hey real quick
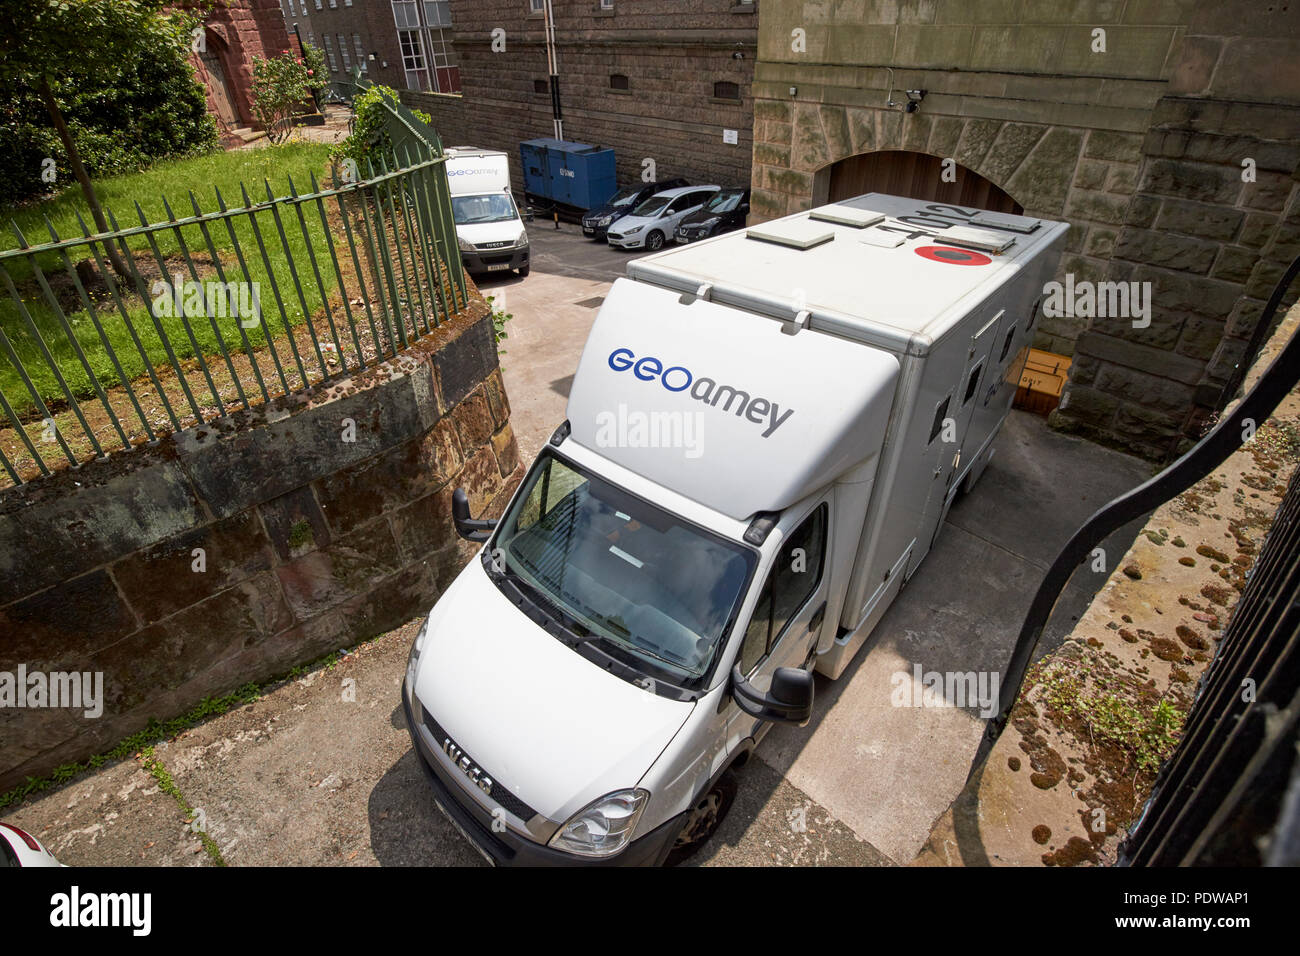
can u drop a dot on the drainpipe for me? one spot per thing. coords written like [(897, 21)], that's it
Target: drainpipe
[(553, 66)]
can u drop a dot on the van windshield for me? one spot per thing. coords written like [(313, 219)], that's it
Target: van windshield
[(494, 207), (661, 591)]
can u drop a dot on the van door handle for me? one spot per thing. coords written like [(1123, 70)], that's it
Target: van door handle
[(817, 617)]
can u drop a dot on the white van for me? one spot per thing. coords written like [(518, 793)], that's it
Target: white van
[(489, 231), (764, 434)]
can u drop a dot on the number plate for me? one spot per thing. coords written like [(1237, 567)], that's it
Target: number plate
[(461, 830), (588, 231), (497, 266)]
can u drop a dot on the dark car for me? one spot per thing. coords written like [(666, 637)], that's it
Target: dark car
[(724, 212), (596, 222)]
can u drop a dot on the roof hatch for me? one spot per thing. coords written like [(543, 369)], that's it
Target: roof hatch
[(797, 233)]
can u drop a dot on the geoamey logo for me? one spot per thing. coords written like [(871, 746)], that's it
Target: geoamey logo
[(678, 378)]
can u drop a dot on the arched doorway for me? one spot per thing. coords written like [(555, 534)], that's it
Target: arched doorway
[(218, 84), (915, 175)]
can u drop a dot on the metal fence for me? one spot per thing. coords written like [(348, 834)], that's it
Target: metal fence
[(1230, 795), (245, 304)]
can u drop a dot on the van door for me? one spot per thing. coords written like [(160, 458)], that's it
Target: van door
[(789, 616), (967, 397)]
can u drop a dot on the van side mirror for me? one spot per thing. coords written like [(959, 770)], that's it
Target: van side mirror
[(788, 701), (467, 527)]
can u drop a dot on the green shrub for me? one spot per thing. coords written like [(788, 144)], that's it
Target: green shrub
[(280, 85), (369, 139), (151, 107)]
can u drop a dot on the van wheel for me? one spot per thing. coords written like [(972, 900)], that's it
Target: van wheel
[(523, 270), (704, 819), (655, 240)]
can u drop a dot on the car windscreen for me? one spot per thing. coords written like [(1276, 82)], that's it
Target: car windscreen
[(493, 207), (725, 202), (652, 206), (659, 589), (625, 196)]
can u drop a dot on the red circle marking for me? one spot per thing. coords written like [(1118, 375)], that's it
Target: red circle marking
[(953, 256)]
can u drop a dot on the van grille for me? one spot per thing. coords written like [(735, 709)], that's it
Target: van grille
[(500, 791)]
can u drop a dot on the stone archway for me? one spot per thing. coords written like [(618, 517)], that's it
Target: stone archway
[(795, 143), (917, 175)]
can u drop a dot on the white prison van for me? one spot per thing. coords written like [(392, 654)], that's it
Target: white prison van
[(489, 230), (765, 432)]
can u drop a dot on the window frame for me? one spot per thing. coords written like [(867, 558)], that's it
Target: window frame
[(822, 509)]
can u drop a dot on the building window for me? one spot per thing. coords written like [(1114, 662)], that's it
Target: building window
[(607, 4), (618, 81), (423, 32), (318, 4), (535, 6), (347, 57), (361, 53), (541, 86), (334, 4), (726, 90), (329, 54), (302, 5)]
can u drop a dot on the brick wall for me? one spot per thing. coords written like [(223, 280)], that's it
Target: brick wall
[(309, 542), (236, 32), (672, 54)]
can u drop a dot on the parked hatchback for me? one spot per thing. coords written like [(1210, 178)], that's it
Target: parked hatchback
[(655, 221), (596, 222), (724, 212)]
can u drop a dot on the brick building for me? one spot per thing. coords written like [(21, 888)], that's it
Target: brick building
[(233, 33), (1167, 132), (404, 44), (662, 80)]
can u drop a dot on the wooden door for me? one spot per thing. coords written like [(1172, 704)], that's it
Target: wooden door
[(917, 176)]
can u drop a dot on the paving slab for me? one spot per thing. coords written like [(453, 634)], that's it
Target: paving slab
[(117, 816)]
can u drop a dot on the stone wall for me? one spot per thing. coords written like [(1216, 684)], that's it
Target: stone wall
[(233, 551), (1210, 235), (671, 53), (1139, 148)]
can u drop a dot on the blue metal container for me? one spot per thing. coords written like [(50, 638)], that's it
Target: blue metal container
[(577, 175)]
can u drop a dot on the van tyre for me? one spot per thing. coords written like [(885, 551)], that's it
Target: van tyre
[(655, 240), (523, 270), (704, 818)]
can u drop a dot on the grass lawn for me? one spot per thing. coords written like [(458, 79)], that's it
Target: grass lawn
[(174, 180)]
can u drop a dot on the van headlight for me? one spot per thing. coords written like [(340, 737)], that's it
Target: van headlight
[(522, 241), (413, 661), (603, 827), (463, 245)]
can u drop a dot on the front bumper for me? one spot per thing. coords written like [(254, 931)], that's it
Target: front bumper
[(494, 260), (627, 242), (507, 848)]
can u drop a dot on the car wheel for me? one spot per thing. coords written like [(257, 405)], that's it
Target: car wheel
[(704, 819), (655, 240)]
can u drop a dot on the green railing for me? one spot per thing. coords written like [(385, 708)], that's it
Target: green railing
[(250, 302)]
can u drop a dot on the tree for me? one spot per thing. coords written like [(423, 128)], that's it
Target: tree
[(43, 41)]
